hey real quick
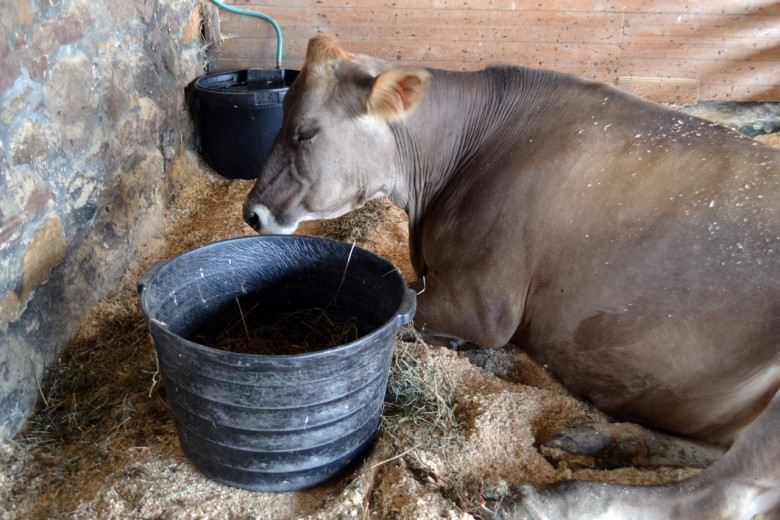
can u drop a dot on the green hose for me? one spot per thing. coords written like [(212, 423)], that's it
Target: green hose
[(264, 17)]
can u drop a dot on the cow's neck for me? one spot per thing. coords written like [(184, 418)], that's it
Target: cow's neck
[(464, 120)]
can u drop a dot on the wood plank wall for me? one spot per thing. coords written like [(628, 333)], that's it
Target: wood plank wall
[(666, 50)]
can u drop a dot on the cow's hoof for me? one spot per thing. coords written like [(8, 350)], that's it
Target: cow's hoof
[(509, 507), (581, 440), (513, 506), (624, 444), (494, 511)]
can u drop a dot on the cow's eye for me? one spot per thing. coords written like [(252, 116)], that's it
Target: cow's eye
[(306, 134)]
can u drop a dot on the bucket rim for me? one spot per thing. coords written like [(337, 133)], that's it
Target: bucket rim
[(401, 316), (203, 83)]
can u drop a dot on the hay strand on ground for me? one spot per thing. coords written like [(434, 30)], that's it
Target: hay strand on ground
[(356, 226), (421, 407), (81, 388)]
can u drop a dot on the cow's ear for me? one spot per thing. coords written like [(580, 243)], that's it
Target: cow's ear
[(324, 47), (396, 92)]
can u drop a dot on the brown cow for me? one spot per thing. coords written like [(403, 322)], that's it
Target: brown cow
[(632, 249)]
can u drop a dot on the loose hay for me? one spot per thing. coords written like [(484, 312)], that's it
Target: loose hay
[(91, 397), (421, 407), (84, 387), (356, 226), (295, 332)]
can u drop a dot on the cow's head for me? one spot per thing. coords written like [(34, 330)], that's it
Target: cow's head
[(335, 148)]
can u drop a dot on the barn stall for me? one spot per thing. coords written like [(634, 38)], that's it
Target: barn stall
[(101, 183)]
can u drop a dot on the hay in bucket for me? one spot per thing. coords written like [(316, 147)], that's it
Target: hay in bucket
[(243, 330), (262, 326)]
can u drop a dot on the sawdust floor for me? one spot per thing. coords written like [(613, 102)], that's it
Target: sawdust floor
[(102, 443)]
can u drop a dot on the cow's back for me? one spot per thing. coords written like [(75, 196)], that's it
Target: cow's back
[(656, 291)]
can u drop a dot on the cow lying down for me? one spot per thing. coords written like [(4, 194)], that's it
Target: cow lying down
[(632, 249)]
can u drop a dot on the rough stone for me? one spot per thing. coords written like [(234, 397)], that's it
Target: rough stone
[(70, 100), (150, 119), (36, 64), (15, 105), (20, 187), (119, 12), (121, 69), (68, 28), (21, 378), (43, 253), (38, 201), (10, 231), (191, 31), (108, 152), (24, 11), (80, 193), (46, 250), (31, 143), (145, 9), (8, 65), (4, 173), (10, 308), (7, 14)]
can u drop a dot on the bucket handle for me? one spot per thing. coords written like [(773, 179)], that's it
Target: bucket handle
[(407, 307)]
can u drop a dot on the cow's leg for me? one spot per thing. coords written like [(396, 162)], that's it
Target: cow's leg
[(627, 444), (743, 484)]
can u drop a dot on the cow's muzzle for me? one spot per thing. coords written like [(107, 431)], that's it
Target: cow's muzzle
[(263, 220)]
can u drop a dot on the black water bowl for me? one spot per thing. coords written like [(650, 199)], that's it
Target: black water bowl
[(275, 422), (239, 114)]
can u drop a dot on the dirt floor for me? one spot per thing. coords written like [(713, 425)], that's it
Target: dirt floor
[(102, 442)]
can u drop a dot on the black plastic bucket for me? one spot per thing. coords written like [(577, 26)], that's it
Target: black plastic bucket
[(275, 422), (239, 115)]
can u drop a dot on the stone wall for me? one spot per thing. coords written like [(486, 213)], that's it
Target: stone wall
[(92, 113)]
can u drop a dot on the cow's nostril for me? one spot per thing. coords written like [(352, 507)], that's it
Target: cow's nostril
[(252, 218)]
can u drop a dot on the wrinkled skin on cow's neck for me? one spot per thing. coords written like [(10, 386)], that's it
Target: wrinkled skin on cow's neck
[(441, 153)]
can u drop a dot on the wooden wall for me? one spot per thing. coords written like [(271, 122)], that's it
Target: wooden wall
[(667, 50)]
